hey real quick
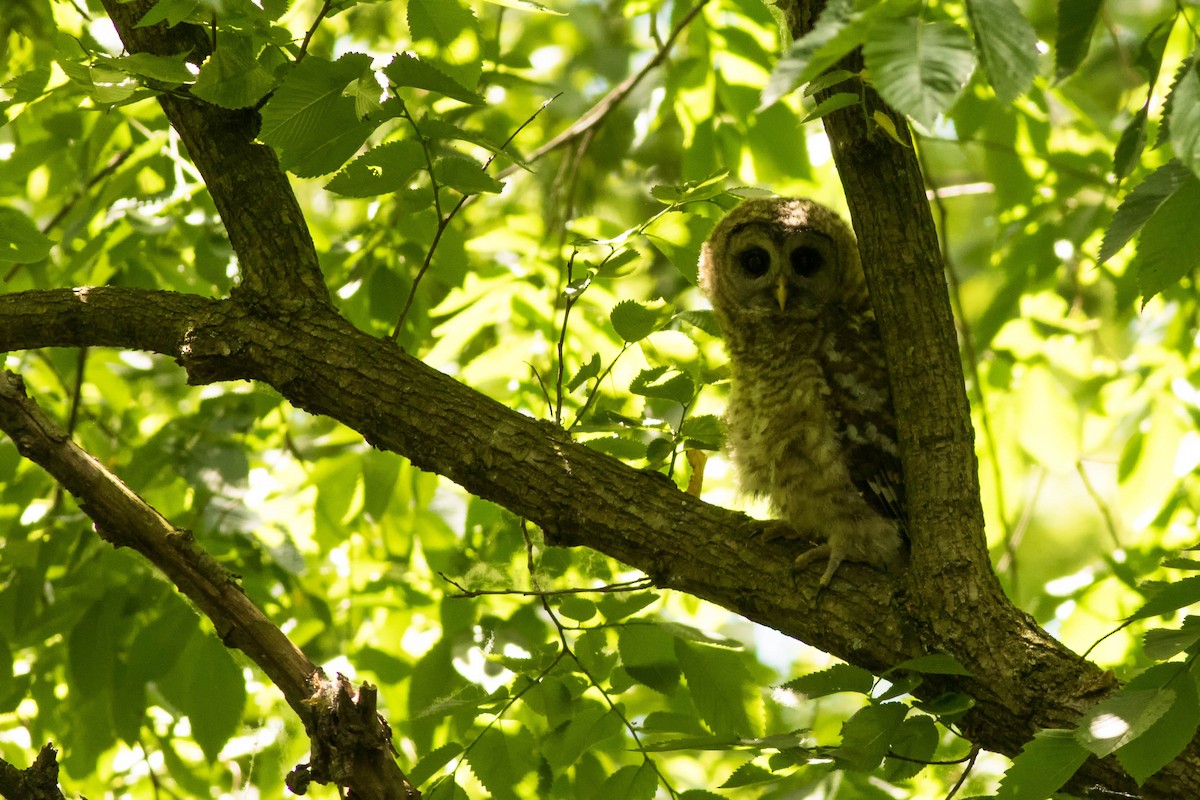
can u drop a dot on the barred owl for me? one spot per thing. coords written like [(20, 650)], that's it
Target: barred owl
[(810, 422)]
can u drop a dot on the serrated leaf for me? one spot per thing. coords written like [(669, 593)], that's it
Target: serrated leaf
[(381, 170), (1130, 146), (1007, 46), (699, 794), (585, 373), (838, 678), (501, 760), (648, 654), (440, 20), (1042, 766), (1140, 204), (590, 723), (621, 447), (1185, 116), (933, 664), (919, 67), (231, 77), (916, 740), (746, 775), (631, 782), (1166, 738), (1118, 720), (867, 736), (408, 70), (702, 319), (1164, 643), (168, 69), (577, 608), (690, 634), (28, 86), (431, 762), (1168, 247), (832, 103), (651, 383), (835, 34), (1076, 21), (465, 175), (20, 239), (633, 321), (311, 121), (172, 12), (722, 689), (703, 429)]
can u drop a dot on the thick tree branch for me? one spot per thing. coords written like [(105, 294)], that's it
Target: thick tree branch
[(266, 227)]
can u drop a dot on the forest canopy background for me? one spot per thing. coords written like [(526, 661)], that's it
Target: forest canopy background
[(516, 194)]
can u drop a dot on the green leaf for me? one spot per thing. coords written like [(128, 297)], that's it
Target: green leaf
[(577, 608), (722, 689), (381, 170), (1165, 643), (648, 655), (1185, 116), (207, 686), (431, 762), (834, 35), (678, 387), (408, 70), (1168, 597), (1042, 766), (747, 774), (311, 121), (1116, 721), (867, 736), (838, 678), (634, 321), (919, 67), (590, 724), (20, 239), (1166, 738), (1130, 146), (1168, 247), (1140, 204), (168, 69), (465, 175), (1007, 46), (1076, 21), (231, 77), (172, 12), (501, 760), (916, 740), (933, 664), (585, 373), (832, 103), (440, 20), (631, 782)]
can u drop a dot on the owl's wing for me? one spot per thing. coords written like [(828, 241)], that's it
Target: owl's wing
[(860, 402)]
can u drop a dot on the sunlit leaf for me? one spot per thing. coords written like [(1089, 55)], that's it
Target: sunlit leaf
[(232, 77), (1042, 766), (919, 67), (20, 240), (408, 70), (1076, 21), (868, 735), (1007, 45)]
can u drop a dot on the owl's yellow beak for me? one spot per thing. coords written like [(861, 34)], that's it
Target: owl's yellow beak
[(781, 291)]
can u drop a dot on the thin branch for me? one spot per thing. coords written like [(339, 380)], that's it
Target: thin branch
[(312, 30), (1110, 522), (596, 115), (625, 586)]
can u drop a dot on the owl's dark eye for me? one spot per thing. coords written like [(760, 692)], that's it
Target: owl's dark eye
[(806, 261), (754, 261)]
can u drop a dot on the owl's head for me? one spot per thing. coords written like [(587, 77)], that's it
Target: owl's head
[(781, 259)]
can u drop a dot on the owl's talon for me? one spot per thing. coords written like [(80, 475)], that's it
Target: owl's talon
[(821, 551)]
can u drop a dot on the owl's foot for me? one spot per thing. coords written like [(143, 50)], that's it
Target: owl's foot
[(871, 541)]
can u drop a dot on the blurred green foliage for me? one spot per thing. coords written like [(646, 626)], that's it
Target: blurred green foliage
[(561, 282)]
